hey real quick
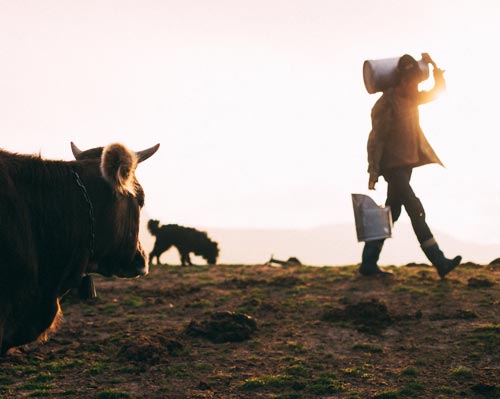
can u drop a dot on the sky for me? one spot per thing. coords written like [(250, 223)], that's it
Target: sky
[(259, 106)]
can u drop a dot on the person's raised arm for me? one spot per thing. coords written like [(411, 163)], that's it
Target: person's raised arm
[(439, 81)]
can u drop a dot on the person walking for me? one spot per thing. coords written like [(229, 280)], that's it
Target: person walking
[(396, 145)]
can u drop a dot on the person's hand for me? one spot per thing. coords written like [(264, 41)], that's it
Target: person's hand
[(371, 182), (427, 58)]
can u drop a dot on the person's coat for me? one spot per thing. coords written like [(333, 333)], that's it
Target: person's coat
[(396, 138)]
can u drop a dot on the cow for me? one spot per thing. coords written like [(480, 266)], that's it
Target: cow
[(60, 220)]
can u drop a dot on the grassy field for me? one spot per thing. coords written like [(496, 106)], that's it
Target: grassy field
[(321, 332)]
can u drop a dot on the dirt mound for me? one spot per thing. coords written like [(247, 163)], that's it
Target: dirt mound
[(150, 349), (415, 264), (368, 316), (223, 327), (487, 390), (479, 282)]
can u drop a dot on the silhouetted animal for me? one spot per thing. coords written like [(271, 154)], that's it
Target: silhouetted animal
[(185, 239), (59, 221), (293, 261)]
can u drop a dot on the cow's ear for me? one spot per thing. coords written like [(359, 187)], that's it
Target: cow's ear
[(118, 165)]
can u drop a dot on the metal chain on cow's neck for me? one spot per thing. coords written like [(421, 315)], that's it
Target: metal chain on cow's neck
[(91, 212)]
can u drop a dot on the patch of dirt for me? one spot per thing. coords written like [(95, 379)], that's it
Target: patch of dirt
[(223, 327), (368, 316), (149, 349), (237, 282), (479, 282), (487, 390), (286, 281)]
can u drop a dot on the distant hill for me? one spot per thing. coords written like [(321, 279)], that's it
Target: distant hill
[(325, 245)]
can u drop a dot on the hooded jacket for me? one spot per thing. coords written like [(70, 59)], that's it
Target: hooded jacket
[(396, 138)]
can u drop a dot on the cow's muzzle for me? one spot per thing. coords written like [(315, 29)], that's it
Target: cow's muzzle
[(138, 267)]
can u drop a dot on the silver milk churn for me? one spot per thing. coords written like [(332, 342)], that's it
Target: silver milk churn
[(379, 75), (373, 222)]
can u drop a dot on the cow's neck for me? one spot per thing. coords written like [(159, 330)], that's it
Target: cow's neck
[(85, 195)]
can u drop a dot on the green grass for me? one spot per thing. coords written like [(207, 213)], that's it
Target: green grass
[(410, 290), (462, 372), (369, 348), (486, 338), (295, 346), (97, 368), (203, 366), (274, 381), (446, 390), (409, 371), (392, 394), (133, 302), (37, 385), (44, 377), (324, 385), (412, 389), (490, 328), (6, 380), (201, 304), (179, 370), (298, 370), (69, 392), (109, 308), (363, 371), (292, 395), (112, 394), (40, 393)]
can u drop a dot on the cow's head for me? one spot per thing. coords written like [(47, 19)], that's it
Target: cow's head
[(118, 198), (212, 253)]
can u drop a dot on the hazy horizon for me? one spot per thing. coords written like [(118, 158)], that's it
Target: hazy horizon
[(325, 245)]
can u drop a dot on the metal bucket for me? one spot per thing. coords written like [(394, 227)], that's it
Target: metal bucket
[(379, 75), (373, 222)]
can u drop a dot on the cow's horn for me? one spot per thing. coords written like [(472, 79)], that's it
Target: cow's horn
[(145, 154), (76, 151)]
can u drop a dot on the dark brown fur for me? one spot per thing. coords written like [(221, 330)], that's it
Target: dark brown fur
[(186, 239), (46, 234)]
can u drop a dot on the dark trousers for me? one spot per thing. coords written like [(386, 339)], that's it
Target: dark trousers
[(400, 193)]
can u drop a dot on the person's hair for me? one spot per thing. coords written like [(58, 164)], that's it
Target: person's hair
[(408, 68)]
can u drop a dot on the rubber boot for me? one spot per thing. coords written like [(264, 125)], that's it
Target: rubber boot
[(442, 264), (369, 259)]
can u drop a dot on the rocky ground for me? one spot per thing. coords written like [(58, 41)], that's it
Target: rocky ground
[(281, 332)]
